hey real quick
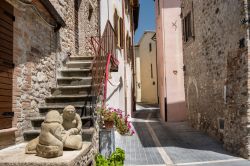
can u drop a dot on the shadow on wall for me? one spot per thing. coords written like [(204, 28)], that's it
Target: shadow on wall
[(176, 112), (119, 87), (170, 4)]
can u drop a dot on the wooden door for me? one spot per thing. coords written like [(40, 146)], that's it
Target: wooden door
[(6, 64)]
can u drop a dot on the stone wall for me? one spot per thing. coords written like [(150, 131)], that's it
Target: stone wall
[(34, 59), (216, 76), (39, 51), (80, 24), (88, 25)]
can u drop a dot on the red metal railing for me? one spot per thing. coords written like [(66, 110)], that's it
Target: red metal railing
[(104, 50)]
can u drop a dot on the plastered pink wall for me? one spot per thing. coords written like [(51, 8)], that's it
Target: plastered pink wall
[(170, 60)]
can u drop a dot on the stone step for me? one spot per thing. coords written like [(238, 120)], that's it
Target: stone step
[(71, 72), (68, 98), (87, 107), (79, 64), (74, 81), (87, 134), (77, 58), (37, 121), (30, 134), (71, 90)]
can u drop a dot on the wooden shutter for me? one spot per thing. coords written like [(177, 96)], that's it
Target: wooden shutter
[(118, 33), (6, 64), (116, 26), (121, 34)]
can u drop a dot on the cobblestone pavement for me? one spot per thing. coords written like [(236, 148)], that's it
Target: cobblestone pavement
[(159, 143)]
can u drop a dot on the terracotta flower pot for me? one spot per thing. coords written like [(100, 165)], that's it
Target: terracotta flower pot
[(109, 124)]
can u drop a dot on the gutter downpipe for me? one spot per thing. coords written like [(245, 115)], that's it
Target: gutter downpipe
[(165, 118), (133, 104), (125, 56)]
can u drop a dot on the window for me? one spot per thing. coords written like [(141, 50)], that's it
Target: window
[(76, 12), (129, 47), (116, 26), (159, 7), (90, 11), (126, 5), (152, 71), (121, 33), (150, 47), (187, 26)]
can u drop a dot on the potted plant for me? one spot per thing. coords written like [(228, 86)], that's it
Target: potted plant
[(122, 124), (108, 117)]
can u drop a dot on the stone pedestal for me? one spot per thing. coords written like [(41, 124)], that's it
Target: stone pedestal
[(107, 142), (15, 156), (49, 151)]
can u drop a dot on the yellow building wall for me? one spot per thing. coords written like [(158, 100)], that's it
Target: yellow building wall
[(148, 75)]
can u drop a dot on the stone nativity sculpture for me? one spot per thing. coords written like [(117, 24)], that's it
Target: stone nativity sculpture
[(58, 132)]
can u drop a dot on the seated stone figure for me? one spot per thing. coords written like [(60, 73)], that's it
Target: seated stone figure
[(72, 124), (50, 140)]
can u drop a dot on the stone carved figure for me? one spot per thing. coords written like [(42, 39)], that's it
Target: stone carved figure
[(31, 146), (73, 125), (57, 132), (50, 141)]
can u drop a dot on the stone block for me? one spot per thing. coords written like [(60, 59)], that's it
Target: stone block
[(48, 151), (107, 142), (15, 156)]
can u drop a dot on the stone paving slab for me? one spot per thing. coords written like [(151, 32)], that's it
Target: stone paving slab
[(136, 154), (185, 145), (182, 144)]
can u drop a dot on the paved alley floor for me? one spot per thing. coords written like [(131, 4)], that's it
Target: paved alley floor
[(159, 143)]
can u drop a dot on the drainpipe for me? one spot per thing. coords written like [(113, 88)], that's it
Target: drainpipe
[(125, 55), (157, 68), (133, 104), (99, 19), (164, 62)]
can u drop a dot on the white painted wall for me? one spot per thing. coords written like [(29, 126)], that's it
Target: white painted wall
[(117, 86)]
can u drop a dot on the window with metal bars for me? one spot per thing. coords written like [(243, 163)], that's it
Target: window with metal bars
[(188, 29)]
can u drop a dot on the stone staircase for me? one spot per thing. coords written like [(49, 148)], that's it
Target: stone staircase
[(73, 88)]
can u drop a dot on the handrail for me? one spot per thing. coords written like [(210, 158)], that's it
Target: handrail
[(104, 50)]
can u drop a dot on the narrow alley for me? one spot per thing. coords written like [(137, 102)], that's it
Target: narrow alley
[(124, 82), (160, 143)]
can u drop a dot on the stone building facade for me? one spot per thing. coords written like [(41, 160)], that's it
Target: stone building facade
[(216, 59), (43, 38)]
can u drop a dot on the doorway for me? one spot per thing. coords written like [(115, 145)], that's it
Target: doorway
[(6, 64)]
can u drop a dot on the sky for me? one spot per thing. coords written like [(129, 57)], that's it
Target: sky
[(146, 18)]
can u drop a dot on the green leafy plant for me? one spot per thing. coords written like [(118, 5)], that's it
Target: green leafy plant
[(116, 159), (121, 126), (101, 161)]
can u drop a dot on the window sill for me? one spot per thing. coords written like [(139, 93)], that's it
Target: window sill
[(187, 43)]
